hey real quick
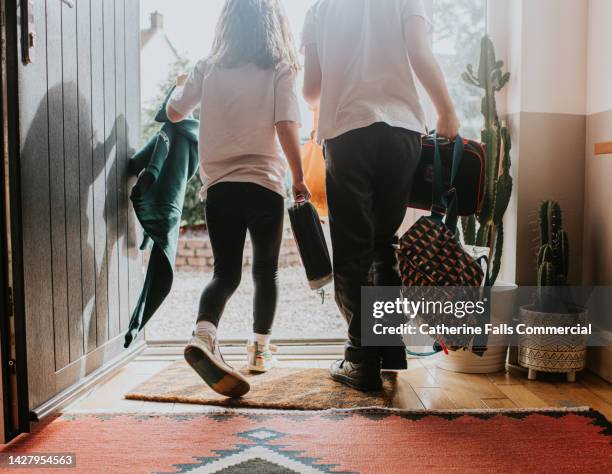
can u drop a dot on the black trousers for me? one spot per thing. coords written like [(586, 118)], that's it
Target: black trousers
[(231, 210), (369, 175)]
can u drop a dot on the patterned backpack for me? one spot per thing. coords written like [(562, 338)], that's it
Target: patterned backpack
[(430, 254)]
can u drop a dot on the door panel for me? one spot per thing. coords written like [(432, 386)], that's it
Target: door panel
[(99, 175), (79, 120), (86, 172), (72, 179), (132, 115), (122, 156), (57, 174), (110, 129), (36, 212)]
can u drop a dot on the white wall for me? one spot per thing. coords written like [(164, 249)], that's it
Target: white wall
[(599, 84), (554, 51), (505, 28), (544, 46)]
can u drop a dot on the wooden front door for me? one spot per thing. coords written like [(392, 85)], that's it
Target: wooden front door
[(79, 106)]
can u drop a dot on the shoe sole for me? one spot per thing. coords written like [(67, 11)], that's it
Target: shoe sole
[(217, 376), (349, 382), (258, 370)]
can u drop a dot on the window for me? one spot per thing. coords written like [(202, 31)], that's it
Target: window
[(458, 27)]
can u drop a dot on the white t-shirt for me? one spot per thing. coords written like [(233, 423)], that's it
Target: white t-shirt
[(239, 110), (367, 77)]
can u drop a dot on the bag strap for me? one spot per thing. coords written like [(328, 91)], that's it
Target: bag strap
[(436, 349), (487, 278), (445, 202)]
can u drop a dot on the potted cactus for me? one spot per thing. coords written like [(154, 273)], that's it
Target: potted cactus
[(553, 305), (486, 229), (483, 234)]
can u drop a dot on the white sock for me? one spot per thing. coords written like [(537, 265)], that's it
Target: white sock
[(204, 328), (262, 339)]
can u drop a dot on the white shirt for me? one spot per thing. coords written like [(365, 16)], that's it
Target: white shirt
[(239, 110), (367, 77)]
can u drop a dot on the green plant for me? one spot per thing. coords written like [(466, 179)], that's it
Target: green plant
[(486, 229), (553, 259), (193, 209)]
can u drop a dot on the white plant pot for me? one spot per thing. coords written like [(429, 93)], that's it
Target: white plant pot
[(503, 310)]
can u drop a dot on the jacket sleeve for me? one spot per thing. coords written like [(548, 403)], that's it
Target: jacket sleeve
[(186, 98), (160, 153), (140, 160)]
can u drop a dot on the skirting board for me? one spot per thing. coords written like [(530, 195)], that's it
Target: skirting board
[(64, 398)]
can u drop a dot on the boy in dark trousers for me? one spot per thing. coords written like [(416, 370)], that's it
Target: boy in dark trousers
[(360, 58)]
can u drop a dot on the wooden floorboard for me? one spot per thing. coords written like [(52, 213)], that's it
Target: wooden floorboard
[(434, 398), (418, 376), (522, 397), (405, 397), (598, 386), (507, 378), (499, 403)]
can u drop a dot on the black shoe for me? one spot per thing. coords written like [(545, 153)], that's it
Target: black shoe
[(364, 376)]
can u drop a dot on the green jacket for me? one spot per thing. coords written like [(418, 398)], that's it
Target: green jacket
[(165, 165)]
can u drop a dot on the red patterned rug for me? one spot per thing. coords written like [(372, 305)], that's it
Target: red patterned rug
[(360, 441)]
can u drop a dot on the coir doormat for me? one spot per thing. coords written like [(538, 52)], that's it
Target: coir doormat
[(357, 441), (281, 388)]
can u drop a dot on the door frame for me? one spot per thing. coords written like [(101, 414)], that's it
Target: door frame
[(15, 407)]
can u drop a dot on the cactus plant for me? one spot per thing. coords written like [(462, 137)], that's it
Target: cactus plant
[(486, 229), (553, 260)]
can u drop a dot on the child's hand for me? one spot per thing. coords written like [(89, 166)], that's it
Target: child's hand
[(181, 80), (448, 126), (301, 191)]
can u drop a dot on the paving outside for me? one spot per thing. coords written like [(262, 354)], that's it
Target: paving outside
[(300, 314)]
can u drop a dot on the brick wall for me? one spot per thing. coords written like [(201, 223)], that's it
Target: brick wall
[(195, 253)]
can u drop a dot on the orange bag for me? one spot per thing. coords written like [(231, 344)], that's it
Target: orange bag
[(314, 170)]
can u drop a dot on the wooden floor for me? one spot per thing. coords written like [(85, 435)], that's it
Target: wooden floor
[(423, 385)]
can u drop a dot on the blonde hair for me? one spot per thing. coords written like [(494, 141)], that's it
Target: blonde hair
[(253, 32)]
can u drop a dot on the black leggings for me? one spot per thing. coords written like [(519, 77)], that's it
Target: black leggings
[(231, 210)]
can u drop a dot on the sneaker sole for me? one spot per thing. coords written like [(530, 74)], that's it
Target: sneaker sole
[(224, 382), (258, 370), (351, 383)]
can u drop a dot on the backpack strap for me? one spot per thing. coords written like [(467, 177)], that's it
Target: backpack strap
[(444, 202)]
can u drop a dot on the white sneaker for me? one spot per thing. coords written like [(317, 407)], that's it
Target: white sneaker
[(203, 355), (261, 357)]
